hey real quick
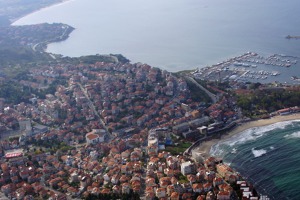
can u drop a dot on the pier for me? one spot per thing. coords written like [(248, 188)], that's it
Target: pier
[(247, 67)]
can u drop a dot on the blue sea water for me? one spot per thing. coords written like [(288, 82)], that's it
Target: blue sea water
[(268, 157), (175, 34)]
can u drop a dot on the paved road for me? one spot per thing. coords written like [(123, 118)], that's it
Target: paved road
[(213, 97), (47, 41), (3, 197), (91, 105), (5, 135)]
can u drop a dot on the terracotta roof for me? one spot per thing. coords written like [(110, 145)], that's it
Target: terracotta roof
[(92, 136), (175, 195)]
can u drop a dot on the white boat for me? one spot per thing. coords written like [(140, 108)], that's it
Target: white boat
[(275, 73), (237, 64)]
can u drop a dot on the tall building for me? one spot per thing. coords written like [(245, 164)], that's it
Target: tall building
[(25, 126)]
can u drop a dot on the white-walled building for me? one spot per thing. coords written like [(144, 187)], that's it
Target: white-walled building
[(95, 137), (187, 168)]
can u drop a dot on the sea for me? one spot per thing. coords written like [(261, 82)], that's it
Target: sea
[(268, 157), (175, 34), (188, 34)]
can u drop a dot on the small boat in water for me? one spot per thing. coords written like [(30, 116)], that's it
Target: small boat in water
[(295, 78), (275, 73)]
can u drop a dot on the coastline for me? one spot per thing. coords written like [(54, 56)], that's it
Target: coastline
[(13, 21), (204, 147)]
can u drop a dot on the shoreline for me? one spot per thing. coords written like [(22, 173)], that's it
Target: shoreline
[(13, 21), (204, 147)]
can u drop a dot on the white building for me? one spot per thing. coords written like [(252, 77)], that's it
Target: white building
[(25, 126), (187, 168), (152, 143), (94, 138)]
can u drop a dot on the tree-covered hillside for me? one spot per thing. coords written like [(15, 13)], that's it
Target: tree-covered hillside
[(262, 101)]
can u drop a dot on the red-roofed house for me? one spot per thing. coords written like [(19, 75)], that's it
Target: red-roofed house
[(93, 138)]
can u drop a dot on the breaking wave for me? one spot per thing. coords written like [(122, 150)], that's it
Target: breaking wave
[(251, 134), (293, 135), (266, 156), (258, 153)]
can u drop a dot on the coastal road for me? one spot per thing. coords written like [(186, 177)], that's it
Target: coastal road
[(213, 97), (59, 38)]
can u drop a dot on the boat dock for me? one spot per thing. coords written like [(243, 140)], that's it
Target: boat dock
[(247, 67)]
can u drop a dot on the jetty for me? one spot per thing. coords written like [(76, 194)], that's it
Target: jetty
[(246, 67)]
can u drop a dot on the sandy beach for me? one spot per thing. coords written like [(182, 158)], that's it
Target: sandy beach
[(205, 147)]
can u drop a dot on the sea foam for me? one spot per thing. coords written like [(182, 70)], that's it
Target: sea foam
[(255, 133), (293, 135), (251, 134), (259, 152)]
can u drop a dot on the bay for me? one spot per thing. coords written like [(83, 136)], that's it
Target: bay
[(174, 34)]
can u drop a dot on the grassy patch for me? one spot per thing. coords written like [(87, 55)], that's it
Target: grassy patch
[(197, 94), (178, 149)]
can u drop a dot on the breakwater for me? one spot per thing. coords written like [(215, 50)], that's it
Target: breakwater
[(250, 67)]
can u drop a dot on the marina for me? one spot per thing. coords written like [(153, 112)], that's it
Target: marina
[(249, 66)]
